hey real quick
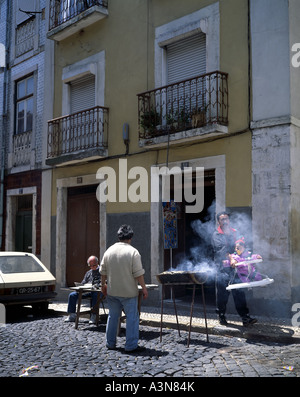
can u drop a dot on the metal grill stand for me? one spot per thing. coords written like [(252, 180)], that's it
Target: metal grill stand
[(175, 309)]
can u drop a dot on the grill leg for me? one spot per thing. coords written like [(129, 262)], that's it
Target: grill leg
[(175, 311), (191, 316), (204, 310)]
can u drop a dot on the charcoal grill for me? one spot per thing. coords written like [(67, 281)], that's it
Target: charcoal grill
[(172, 278), (182, 277)]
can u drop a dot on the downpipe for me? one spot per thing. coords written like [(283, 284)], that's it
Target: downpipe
[(4, 120)]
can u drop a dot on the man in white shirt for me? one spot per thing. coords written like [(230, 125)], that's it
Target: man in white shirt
[(121, 268)]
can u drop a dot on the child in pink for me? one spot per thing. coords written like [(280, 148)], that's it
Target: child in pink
[(245, 273)]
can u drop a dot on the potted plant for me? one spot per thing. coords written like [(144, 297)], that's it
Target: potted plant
[(149, 120), (199, 117)]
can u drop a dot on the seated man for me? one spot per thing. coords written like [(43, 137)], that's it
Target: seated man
[(92, 276)]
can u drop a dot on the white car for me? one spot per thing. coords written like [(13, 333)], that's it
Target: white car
[(24, 280)]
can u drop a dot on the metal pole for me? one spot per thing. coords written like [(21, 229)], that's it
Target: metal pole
[(171, 263), (191, 316), (175, 310), (204, 310)]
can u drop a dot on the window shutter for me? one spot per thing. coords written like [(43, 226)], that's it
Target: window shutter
[(186, 58), (83, 93)]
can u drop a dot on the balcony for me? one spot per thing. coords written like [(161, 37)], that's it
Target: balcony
[(25, 34), (187, 110), (78, 137), (70, 16), (22, 149)]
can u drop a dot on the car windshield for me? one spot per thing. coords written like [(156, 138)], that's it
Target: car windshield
[(19, 264)]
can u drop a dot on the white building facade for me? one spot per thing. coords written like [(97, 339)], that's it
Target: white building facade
[(23, 27), (275, 147)]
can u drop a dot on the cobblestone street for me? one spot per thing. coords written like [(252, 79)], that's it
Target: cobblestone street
[(60, 350)]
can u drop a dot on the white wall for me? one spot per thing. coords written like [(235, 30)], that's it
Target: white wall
[(270, 58)]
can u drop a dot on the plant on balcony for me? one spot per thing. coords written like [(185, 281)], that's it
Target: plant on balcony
[(149, 120), (199, 117), (171, 120), (178, 120), (184, 117)]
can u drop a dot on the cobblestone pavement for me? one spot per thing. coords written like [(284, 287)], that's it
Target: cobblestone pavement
[(60, 350)]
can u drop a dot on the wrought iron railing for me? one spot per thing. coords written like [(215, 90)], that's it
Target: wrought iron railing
[(79, 131), (62, 11), (25, 34), (22, 148), (185, 105)]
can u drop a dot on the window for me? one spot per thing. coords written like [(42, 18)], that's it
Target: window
[(82, 93), (25, 37), (21, 6), (186, 58), (206, 20), (25, 26), (19, 264), (24, 105), (72, 8)]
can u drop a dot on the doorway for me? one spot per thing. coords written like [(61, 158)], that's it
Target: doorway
[(194, 234), (83, 235), (23, 236)]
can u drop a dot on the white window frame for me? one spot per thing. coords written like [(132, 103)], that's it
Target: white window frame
[(19, 76), (24, 99), (14, 58), (206, 20), (94, 64)]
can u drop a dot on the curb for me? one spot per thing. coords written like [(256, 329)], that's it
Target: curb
[(237, 332), (230, 331)]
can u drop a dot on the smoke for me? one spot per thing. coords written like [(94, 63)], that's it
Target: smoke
[(200, 255), (242, 222)]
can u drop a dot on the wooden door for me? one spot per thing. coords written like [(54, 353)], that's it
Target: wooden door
[(82, 232), (23, 240)]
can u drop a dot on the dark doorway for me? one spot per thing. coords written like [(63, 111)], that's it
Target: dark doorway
[(83, 231), (23, 236), (194, 244)]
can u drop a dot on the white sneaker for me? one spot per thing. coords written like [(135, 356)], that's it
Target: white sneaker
[(71, 318), (92, 319)]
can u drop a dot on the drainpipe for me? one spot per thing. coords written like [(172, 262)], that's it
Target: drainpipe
[(249, 67), (4, 120)]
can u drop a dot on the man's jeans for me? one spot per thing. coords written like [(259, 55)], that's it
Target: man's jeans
[(130, 306), (222, 295), (73, 298)]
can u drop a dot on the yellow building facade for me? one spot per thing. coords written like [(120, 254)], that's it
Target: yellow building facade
[(139, 85), (127, 48)]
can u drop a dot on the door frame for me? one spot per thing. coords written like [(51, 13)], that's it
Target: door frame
[(216, 163), (79, 227), (12, 209), (61, 222)]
